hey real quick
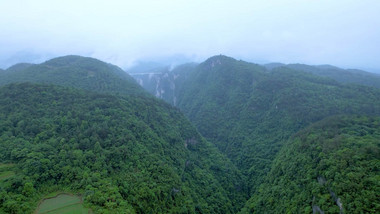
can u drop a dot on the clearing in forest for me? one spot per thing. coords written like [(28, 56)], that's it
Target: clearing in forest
[(62, 204), (6, 171)]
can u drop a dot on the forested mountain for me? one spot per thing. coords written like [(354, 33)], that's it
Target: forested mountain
[(123, 150), (331, 166), (19, 66), (249, 112), (74, 71), (338, 74), (279, 139), (165, 83)]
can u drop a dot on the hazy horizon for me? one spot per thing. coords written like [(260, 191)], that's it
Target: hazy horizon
[(339, 33)]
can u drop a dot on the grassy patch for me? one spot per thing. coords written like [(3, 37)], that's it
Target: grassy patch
[(71, 209), (6, 166), (6, 174), (62, 204), (6, 171)]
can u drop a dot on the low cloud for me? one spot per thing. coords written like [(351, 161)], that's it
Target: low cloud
[(342, 33)]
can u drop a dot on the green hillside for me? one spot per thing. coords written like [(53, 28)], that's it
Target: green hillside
[(332, 166), (19, 66), (134, 154), (272, 139), (74, 71), (341, 75), (249, 112), (122, 152)]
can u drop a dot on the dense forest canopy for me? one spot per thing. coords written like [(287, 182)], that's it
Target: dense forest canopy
[(125, 151), (257, 139), (75, 71), (132, 153), (341, 75), (332, 165), (249, 111)]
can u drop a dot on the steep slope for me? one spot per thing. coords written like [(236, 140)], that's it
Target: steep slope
[(249, 112), (165, 84), (331, 166), (341, 75), (134, 154), (214, 92), (75, 71)]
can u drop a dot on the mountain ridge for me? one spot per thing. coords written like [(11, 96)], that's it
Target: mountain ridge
[(250, 127), (249, 112), (355, 76), (324, 167), (76, 71), (123, 150)]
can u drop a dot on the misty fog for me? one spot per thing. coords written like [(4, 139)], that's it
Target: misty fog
[(342, 33)]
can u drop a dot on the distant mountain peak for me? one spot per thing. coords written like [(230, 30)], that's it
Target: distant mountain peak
[(19, 66), (273, 65), (78, 72), (220, 57), (218, 60), (326, 66), (69, 60)]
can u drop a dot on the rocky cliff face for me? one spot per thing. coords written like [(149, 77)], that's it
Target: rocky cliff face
[(164, 84)]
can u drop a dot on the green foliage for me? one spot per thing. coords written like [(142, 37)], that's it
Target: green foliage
[(62, 203), (18, 67), (340, 75), (102, 136), (249, 112), (6, 171), (75, 71), (334, 161), (134, 153)]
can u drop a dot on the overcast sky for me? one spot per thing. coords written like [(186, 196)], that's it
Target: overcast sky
[(345, 33)]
